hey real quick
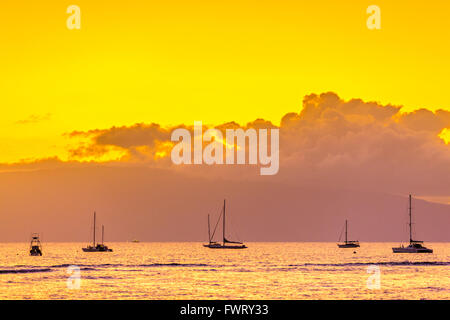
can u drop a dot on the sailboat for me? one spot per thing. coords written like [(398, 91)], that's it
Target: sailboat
[(226, 244), (415, 246), (348, 243), (100, 247), (35, 245)]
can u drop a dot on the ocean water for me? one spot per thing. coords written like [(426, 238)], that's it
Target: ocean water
[(190, 271)]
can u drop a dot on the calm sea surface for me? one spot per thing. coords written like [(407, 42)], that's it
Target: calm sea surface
[(189, 271)]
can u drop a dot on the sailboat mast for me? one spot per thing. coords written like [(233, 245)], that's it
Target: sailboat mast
[(223, 222), (103, 232), (345, 231), (410, 220), (93, 243), (209, 231)]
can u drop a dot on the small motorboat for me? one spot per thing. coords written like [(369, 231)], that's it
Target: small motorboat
[(35, 245)]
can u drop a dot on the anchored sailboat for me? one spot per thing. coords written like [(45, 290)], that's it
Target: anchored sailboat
[(226, 244), (348, 243), (35, 245), (415, 246), (100, 247)]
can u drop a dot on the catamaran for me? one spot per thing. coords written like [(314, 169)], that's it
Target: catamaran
[(35, 245), (348, 243), (100, 247), (415, 246), (226, 244)]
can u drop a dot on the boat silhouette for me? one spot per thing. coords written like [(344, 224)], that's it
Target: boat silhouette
[(99, 247), (348, 243), (415, 246), (35, 245), (226, 244)]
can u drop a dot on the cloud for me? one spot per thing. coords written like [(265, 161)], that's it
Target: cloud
[(329, 142), (35, 118), (135, 141), (426, 120), (137, 135), (140, 142), (354, 144)]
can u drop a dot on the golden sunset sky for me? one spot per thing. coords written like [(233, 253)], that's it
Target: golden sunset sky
[(173, 62)]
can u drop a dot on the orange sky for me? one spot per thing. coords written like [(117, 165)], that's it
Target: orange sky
[(176, 61)]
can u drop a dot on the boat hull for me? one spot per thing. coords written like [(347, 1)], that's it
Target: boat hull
[(215, 246), (96, 250), (348, 245), (412, 250)]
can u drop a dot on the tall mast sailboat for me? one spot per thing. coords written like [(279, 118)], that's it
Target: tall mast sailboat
[(99, 247), (226, 244), (348, 243), (415, 246)]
